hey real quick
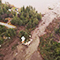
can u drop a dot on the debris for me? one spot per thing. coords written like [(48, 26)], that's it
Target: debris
[(9, 9), (30, 36), (28, 43), (0, 46), (8, 37), (16, 54), (23, 39)]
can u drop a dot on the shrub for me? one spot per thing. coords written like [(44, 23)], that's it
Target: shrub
[(10, 33)]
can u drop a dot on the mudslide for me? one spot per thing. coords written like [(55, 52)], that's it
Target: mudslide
[(31, 53)]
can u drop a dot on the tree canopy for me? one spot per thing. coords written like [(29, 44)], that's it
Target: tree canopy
[(27, 17), (6, 32)]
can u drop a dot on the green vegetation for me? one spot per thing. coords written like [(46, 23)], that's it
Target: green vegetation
[(25, 34), (16, 21), (6, 32), (10, 33), (0, 2), (28, 17), (49, 48), (1, 40), (2, 29), (50, 8), (58, 31), (25, 21), (4, 13)]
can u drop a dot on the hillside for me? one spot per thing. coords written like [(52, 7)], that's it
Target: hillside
[(44, 31), (24, 19), (50, 42)]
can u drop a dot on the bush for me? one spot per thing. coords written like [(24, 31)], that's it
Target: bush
[(39, 16), (28, 17), (2, 29), (16, 21)]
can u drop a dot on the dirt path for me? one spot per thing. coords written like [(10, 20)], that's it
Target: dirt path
[(7, 25)]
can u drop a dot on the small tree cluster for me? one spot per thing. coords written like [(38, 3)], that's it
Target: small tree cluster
[(10, 33), (24, 33), (6, 32), (28, 17)]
